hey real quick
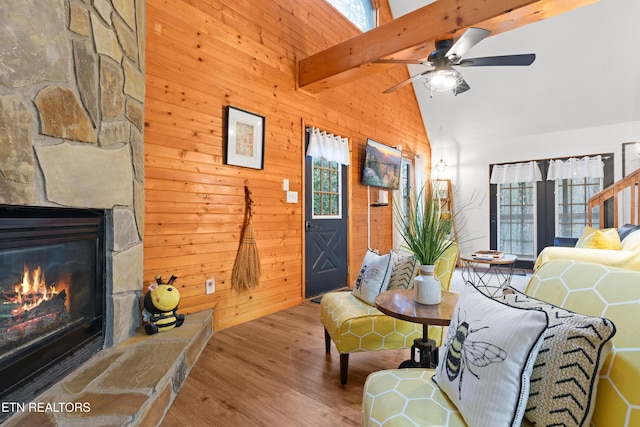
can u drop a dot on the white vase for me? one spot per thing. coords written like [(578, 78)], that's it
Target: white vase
[(426, 286)]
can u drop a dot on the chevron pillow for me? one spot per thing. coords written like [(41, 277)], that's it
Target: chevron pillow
[(403, 268), (565, 377)]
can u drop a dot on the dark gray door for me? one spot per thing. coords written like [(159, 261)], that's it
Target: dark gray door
[(325, 225)]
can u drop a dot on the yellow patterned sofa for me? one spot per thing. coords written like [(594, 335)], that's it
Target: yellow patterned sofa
[(355, 326), (409, 397)]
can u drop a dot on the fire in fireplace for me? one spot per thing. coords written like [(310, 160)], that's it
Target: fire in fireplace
[(51, 294), (34, 306)]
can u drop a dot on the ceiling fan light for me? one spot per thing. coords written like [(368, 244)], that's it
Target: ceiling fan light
[(443, 80)]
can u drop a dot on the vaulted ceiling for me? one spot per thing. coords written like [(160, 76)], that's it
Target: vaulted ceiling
[(587, 70), (412, 36)]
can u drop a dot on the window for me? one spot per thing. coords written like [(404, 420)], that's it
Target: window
[(405, 187), (517, 219), (360, 12), (327, 177), (526, 217), (572, 196)]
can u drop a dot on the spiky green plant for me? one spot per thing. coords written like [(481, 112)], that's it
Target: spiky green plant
[(426, 229)]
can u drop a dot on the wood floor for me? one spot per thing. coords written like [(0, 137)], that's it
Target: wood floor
[(274, 371)]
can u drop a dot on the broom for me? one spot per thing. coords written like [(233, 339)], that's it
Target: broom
[(246, 269)]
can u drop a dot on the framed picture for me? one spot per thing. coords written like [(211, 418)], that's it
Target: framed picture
[(630, 157), (245, 139)]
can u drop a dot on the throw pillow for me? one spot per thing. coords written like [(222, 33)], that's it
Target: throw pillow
[(565, 377), (488, 357), (373, 277), (403, 268), (593, 238), (631, 242)]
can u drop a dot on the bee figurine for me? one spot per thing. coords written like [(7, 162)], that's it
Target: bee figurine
[(161, 307), (462, 352)]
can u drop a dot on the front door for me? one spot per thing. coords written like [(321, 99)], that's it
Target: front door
[(325, 225)]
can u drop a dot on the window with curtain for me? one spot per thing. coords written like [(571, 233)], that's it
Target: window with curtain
[(517, 219), (329, 152), (361, 12), (516, 202), (530, 206), (401, 199), (576, 181)]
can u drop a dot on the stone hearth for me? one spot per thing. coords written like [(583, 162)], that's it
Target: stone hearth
[(133, 383)]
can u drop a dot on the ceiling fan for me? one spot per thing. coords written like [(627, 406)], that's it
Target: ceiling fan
[(441, 76)]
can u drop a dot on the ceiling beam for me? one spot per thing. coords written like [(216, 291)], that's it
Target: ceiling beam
[(412, 36)]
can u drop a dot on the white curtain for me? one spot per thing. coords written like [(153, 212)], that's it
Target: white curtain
[(330, 147), (586, 167), (517, 172)]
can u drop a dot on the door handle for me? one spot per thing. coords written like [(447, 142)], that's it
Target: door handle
[(307, 226)]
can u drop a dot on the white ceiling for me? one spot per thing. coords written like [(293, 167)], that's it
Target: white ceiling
[(586, 74)]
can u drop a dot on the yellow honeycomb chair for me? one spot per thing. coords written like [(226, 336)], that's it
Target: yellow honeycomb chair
[(408, 397), (356, 326)]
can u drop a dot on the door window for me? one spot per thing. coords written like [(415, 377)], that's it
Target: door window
[(327, 191), (517, 219), (572, 196)]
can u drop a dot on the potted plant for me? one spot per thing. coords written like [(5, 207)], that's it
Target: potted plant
[(426, 231)]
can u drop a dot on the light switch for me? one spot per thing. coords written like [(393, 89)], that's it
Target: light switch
[(285, 184)]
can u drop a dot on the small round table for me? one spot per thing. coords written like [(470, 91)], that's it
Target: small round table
[(488, 275), (400, 304)]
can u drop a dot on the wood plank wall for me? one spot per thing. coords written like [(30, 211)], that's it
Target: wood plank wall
[(203, 55)]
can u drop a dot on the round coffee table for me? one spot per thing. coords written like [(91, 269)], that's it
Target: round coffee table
[(400, 304), (490, 276)]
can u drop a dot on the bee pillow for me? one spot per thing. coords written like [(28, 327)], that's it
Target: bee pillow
[(487, 359), (373, 277)]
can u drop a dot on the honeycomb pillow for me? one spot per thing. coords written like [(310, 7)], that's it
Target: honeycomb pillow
[(565, 377), (488, 357), (631, 242), (593, 238), (373, 277), (403, 268)]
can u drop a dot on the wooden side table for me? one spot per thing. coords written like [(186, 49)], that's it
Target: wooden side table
[(400, 304), (489, 276)]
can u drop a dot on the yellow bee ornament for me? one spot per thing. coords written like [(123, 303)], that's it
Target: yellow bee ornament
[(160, 312)]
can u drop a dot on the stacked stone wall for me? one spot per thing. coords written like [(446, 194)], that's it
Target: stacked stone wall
[(71, 125)]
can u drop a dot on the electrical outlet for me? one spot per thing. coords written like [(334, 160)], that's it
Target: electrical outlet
[(210, 285)]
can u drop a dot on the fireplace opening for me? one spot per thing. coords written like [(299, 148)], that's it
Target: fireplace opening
[(51, 295)]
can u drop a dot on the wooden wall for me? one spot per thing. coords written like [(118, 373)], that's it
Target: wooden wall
[(203, 55)]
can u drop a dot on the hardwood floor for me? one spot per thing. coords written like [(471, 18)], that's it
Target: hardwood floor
[(274, 371)]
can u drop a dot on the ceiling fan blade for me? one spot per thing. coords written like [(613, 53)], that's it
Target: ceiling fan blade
[(406, 82), (461, 88), (525, 59), (469, 39), (400, 61)]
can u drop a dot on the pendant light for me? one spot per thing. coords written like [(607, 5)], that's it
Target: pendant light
[(441, 165)]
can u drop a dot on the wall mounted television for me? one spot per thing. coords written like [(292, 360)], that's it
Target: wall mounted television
[(381, 165)]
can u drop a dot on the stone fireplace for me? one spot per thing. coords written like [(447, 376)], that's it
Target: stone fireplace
[(71, 128)]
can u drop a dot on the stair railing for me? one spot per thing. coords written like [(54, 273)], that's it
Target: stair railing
[(625, 195)]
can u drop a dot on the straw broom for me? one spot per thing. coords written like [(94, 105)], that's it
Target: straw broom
[(246, 269)]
